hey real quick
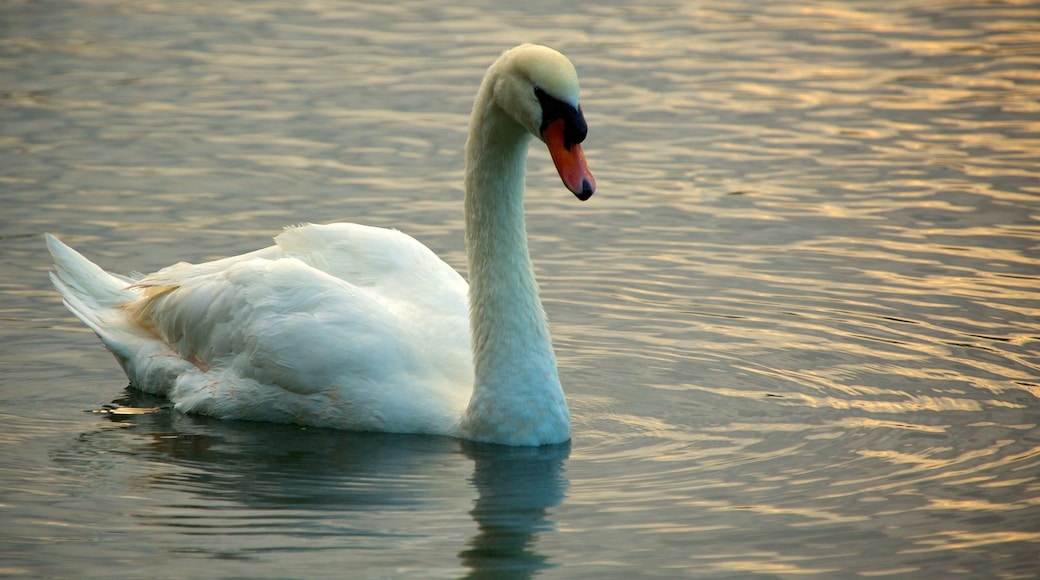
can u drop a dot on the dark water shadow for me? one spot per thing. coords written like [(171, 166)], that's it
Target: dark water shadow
[(331, 484), (516, 489)]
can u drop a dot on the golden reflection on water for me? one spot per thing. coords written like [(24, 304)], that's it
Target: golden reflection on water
[(797, 323)]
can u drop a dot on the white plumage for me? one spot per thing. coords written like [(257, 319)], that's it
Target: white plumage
[(363, 328)]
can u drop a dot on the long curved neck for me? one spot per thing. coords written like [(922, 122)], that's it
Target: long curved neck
[(517, 398)]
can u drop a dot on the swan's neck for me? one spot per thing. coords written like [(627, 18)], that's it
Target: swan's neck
[(517, 398)]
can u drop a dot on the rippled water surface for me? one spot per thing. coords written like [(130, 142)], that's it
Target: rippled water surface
[(797, 324)]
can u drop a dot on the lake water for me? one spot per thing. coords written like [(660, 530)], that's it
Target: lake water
[(798, 324)]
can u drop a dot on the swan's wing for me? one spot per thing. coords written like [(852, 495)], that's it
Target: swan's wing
[(340, 326), (388, 262), (286, 324)]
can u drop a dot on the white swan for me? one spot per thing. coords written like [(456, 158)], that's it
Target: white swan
[(364, 328)]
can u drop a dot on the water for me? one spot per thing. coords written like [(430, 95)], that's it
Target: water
[(797, 324)]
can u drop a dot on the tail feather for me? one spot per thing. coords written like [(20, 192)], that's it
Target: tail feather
[(95, 297), (80, 276)]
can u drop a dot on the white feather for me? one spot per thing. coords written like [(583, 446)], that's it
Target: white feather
[(356, 327)]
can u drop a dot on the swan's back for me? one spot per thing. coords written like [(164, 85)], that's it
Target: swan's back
[(341, 325), (387, 261)]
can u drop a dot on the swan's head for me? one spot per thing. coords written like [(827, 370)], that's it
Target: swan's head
[(538, 87)]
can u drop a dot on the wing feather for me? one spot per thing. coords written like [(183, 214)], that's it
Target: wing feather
[(348, 308)]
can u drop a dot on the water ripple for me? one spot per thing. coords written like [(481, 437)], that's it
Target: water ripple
[(797, 322)]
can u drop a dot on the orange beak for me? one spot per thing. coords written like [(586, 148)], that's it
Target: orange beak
[(569, 160)]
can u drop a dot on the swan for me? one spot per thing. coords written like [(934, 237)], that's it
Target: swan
[(362, 328)]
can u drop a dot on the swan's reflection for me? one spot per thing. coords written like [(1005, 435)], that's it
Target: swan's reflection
[(516, 486), (353, 487)]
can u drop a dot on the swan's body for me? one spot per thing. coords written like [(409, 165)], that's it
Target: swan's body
[(363, 328)]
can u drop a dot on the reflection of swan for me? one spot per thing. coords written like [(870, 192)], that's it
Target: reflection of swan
[(365, 328), (516, 490), (312, 499)]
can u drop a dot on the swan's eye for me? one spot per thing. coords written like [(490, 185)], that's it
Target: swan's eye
[(575, 127)]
